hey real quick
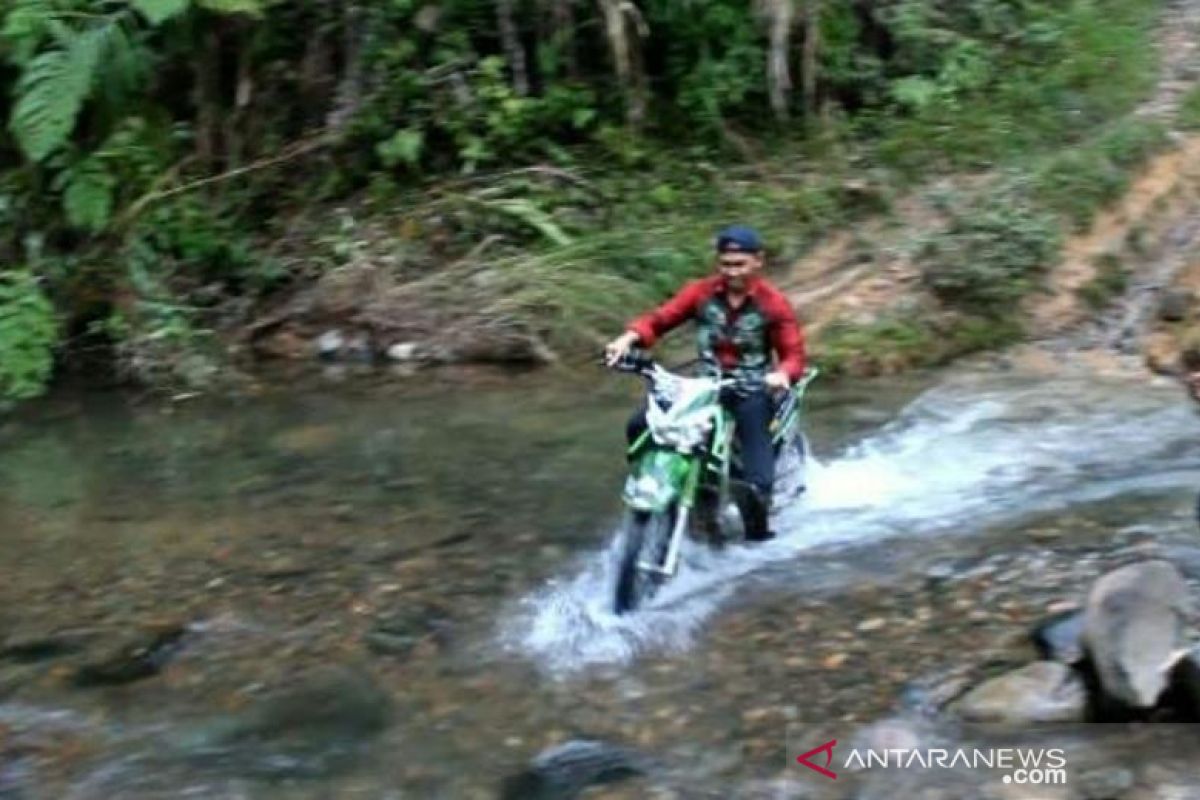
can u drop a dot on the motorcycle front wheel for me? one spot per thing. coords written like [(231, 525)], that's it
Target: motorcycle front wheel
[(645, 538)]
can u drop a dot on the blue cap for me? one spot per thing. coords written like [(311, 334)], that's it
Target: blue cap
[(739, 237)]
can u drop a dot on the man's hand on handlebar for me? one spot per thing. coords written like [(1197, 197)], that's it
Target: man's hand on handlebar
[(618, 348), (777, 381)]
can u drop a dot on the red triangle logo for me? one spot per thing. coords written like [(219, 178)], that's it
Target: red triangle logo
[(827, 749)]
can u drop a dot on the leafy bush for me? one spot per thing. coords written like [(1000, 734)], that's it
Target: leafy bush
[(884, 346), (1110, 281), (987, 81), (1081, 181), (990, 254), (1130, 142), (165, 132), (28, 334), (1189, 109), (1078, 183)]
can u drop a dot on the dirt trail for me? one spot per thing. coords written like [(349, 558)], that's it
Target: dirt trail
[(857, 275), (1152, 230), (1146, 231)]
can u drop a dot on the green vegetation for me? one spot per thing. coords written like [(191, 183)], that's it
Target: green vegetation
[(991, 252), (911, 340), (1079, 182), (1110, 281), (169, 166), (882, 347), (27, 335), (1002, 236), (1004, 79), (1189, 109)]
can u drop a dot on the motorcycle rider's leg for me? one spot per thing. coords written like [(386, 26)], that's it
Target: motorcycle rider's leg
[(752, 414)]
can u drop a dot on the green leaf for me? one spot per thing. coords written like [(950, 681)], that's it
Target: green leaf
[(28, 333), (582, 117), (88, 197), (252, 8), (534, 217), (26, 24), (915, 92), (157, 12), (404, 147), (52, 90)]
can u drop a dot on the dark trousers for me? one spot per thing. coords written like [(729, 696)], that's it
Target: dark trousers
[(752, 418)]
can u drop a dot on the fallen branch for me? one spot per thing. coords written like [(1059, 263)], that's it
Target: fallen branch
[(322, 139)]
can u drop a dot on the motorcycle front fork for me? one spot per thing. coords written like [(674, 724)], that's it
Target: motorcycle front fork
[(683, 511)]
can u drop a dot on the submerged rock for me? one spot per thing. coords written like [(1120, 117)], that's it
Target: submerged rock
[(316, 726), (1060, 637), (404, 351), (329, 344), (1102, 784), (563, 772), (14, 778), (139, 656), (326, 704), (398, 633), (1184, 685), (43, 647), (1045, 691), (12, 679), (1133, 630), (931, 693), (1176, 305)]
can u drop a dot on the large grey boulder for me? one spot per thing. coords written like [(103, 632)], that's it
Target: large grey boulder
[(1044, 691), (1133, 630)]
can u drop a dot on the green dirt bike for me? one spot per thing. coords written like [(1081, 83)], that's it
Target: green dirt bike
[(684, 471)]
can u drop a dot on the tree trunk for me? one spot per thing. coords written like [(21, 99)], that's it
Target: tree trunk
[(206, 96), (781, 17), (513, 50), (564, 34), (812, 50), (315, 81), (556, 29), (624, 27), (235, 126), (349, 95)]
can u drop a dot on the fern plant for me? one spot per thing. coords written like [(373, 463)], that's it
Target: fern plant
[(57, 81), (53, 88), (27, 336), (87, 188)]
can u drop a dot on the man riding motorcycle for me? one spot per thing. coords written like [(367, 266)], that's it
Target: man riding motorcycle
[(741, 320)]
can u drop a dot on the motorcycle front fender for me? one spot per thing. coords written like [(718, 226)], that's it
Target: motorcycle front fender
[(658, 479)]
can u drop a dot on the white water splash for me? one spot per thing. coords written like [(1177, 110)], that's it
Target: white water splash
[(978, 450)]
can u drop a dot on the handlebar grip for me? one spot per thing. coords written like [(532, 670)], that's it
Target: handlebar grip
[(635, 360)]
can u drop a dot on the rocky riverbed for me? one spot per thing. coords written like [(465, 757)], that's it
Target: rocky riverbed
[(315, 597)]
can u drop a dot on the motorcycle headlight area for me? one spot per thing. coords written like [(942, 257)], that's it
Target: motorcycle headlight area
[(683, 420)]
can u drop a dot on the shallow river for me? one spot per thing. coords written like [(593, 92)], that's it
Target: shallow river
[(447, 544)]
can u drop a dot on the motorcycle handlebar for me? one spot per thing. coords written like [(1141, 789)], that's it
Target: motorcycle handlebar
[(638, 362)]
